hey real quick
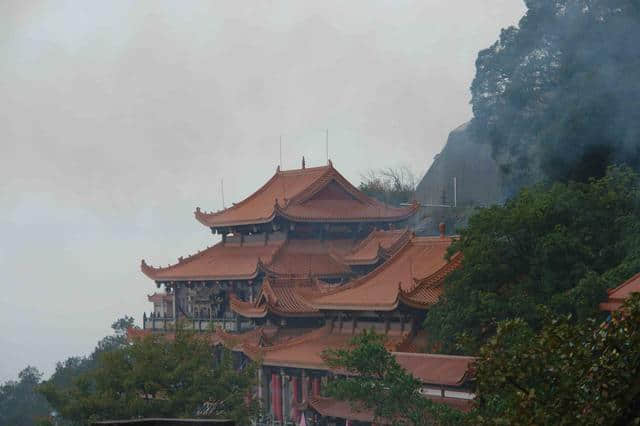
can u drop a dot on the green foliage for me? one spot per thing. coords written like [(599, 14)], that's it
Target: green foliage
[(20, 404), (71, 368), (586, 373), (155, 376), (558, 247), (376, 381), (556, 96), (391, 186)]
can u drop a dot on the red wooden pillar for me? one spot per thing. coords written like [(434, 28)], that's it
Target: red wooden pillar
[(315, 386), (305, 388), (294, 398), (274, 397), (277, 408)]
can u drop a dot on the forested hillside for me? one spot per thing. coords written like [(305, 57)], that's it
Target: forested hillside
[(557, 97)]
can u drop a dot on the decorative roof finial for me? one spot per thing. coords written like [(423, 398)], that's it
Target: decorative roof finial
[(303, 163)]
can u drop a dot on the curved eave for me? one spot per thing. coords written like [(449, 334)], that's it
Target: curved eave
[(381, 254), (295, 314), (246, 309), (435, 280), (156, 275), (208, 220), (413, 303), (282, 212), (385, 307), (294, 364), (358, 282), (328, 407)]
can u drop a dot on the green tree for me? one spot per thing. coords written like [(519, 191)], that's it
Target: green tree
[(586, 373), (20, 404), (556, 95), (156, 376), (377, 382), (558, 247)]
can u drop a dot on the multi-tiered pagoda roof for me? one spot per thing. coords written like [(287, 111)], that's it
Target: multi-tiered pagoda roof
[(305, 263), (316, 194)]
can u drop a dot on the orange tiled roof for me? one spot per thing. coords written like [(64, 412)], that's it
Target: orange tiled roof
[(284, 258), (447, 370), (304, 257), (329, 407), (222, 261), (419, 259), (254, 337), (428, 290), (310, 194), (617, 295), (377, 246), (280, 296), (306, 351)]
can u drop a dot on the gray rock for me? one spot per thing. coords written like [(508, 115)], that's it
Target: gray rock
[(478, 183), (470, 162)]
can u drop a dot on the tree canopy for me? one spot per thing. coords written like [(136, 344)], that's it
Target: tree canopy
[(20, 404), (557, 95), (557, 247), (586, 373), (377, 382), (156, 376)]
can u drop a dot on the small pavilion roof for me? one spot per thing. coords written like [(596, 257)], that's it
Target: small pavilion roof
[(617, 295), (316, 194), (160, 297), (278, 296), (223, 261), (378, 245), (414, 273)]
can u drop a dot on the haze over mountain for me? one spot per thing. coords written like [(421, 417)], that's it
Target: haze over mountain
[(119, 118)]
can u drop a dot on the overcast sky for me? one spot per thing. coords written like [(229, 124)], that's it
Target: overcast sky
[(118, 118)]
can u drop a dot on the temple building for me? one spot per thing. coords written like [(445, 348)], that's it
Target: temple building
[(304, 264)]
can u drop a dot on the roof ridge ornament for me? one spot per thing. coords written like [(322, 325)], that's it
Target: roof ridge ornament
[(303, 163)]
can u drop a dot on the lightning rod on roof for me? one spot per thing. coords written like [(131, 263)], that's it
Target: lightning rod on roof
[(280, 164), (326, 144), (222, 192)]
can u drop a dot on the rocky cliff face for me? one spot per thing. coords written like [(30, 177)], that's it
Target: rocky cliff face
[(478, 183), (476, 173)]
